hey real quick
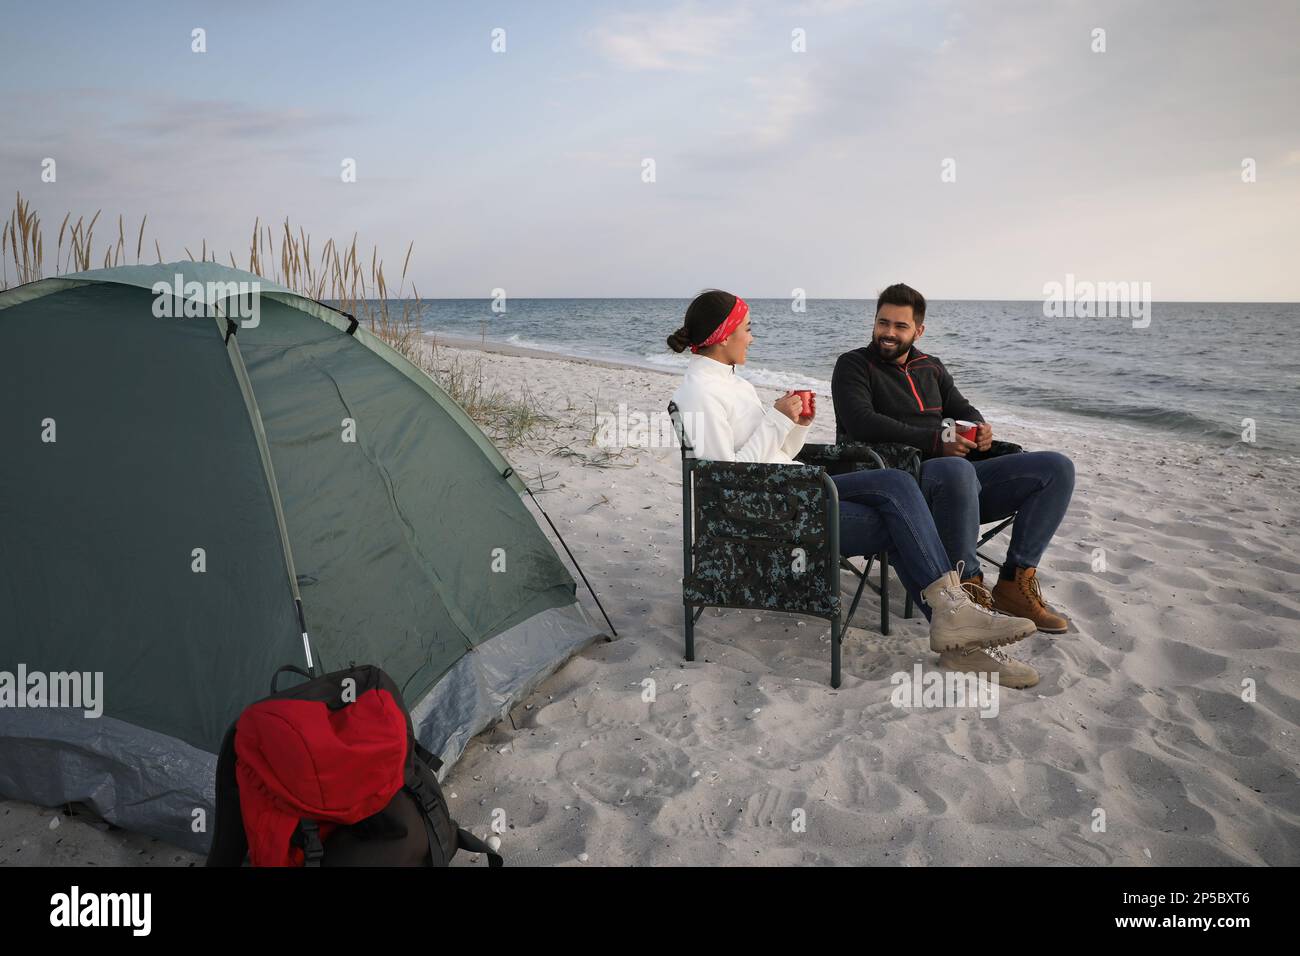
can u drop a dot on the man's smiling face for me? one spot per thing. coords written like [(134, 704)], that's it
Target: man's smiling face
[(895, 331)]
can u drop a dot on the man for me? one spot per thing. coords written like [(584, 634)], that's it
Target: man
[(891, 391)]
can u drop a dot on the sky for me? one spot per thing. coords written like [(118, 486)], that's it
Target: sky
[(775, 169)]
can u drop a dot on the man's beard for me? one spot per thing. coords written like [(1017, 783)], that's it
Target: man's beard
[(900, 347)]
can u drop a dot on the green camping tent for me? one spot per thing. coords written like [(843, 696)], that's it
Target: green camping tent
[(205, 476)]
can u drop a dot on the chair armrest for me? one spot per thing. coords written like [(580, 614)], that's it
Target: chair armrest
[(858, 456), (827, 456), (996, 450)]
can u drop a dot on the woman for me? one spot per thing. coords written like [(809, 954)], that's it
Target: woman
[(879, 510)]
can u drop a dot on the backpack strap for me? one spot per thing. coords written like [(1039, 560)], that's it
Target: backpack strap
[(424, 799), (308, 833), (464, 840), (290, 669), (229, 841), (468, 841), (427, 756)]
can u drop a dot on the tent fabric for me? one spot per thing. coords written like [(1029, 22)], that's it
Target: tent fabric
[(404, 485), (135, 778), (303, 461), (153, 459), (207, 275)]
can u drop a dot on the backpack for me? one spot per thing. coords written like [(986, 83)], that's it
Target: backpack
[(329, 773)]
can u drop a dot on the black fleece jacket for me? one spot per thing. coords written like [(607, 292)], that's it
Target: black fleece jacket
[(878, 401)]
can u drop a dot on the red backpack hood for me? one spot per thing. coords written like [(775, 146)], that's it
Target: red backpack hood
[(297, 758)]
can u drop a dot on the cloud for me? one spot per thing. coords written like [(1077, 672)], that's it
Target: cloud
[(196, 167), (759, 130), (824, 7), (783, 100), (227, 121), (683, 38)]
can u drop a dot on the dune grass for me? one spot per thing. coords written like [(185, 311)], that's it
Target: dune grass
[(337, 274)]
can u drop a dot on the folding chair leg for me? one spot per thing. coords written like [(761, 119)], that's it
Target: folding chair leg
[(690, 634), (835, 651), (907, 607), (857, 596), (884, 594), (989, 536)]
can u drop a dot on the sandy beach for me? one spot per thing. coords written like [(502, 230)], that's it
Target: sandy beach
[(1169, 714)]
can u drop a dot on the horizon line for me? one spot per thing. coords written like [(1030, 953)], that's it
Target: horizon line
[(681, 298)]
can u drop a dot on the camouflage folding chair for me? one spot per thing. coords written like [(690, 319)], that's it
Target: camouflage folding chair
[(759, 536)]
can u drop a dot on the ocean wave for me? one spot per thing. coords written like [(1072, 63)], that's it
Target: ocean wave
[(669, 360), (1150, 416), (758, 376), (782, 378), (523, 343)]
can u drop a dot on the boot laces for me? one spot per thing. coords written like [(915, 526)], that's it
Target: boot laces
[(978, 593), (1029, 585), (997, 653), (959, 594)]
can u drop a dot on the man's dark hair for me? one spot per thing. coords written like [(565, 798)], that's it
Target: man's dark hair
[(900, 294)]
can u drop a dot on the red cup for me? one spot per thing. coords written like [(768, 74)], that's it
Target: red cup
[(967, 429), (807, 396)]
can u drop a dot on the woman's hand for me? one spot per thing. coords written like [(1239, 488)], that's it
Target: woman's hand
[(790, 405), (808, 419)]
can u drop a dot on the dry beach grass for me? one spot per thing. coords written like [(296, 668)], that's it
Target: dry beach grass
[(338, 274)]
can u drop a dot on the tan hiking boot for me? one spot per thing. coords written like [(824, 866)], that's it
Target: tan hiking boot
[(957, 623), (1011, 672), (1023, 598)]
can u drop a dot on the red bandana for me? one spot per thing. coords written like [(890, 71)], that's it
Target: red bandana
[(729, 325)]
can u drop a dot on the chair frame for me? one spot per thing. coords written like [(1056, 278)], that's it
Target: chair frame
[(846, 564), (692, 612), (989, 536)]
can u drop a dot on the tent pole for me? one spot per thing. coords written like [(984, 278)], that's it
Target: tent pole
[(306, 641), (571, 557)]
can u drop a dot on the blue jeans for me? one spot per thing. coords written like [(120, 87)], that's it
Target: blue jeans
[(885, 511), (1034, 486)]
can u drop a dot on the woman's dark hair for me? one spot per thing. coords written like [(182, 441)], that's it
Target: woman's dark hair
[(703, 316)]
